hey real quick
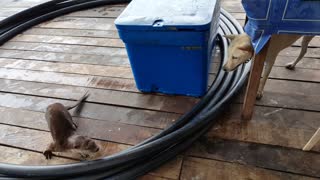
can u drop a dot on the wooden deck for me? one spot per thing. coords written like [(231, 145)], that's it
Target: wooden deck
[(59, 60)]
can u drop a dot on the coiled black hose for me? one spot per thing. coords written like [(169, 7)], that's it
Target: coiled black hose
[(153, 152)]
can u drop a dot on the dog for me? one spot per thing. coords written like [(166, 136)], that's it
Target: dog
[(241, 51)]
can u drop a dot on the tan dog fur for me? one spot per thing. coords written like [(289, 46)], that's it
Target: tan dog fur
[(241, 49)]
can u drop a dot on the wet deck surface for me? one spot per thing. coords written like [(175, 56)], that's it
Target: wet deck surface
[(57, 61)]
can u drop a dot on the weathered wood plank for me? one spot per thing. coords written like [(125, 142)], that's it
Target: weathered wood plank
[(72, 32), (195, 168), (295, 51), (116, 56), (118, 52), (98, 129), (37, 141), (170, 169), (278, 93), (310, 75), (292, 123), (238, 15), (74, 49), (88, 41), (85, 69), (114, 34), (27, 139), (291, 94), (307, 63), (66, 57), (259, 155), (232, 6), (101, 12), (301, 74), (6, 12), (273, 126), (23, 157), (109, 11), (174, 104), (104, 60), (302, 95), (314, 42), (80, 23), (149, 177), (91, 19), (54, 49), (65, 22), (21, 4), (70, 79), (145, 118)]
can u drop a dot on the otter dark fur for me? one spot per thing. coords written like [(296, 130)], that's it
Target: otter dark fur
[(62, 129), (83, 143)]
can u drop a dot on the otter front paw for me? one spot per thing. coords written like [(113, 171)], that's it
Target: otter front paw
[(48, 154)]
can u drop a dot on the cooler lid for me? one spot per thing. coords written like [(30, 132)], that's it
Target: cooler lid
[(167, 15)]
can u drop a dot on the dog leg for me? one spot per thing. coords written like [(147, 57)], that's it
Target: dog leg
[(277, 43), (304, 47), (271, 58)]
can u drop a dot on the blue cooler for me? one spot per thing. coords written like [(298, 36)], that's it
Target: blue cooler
[(169, 43)]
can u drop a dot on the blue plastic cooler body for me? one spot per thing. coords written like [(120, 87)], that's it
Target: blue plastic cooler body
[(169, 43)]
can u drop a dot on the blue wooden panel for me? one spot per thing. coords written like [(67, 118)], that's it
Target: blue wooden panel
[(302, 10), (267, 17)]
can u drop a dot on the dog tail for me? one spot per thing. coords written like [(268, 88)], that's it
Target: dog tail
[(84, 97)]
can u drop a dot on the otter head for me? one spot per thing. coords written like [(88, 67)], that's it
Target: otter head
[(85, 143), (92, 146), (240, 51)]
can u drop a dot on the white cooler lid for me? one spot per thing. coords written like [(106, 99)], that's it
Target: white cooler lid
[(141, 14)]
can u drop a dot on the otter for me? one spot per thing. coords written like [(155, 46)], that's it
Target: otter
[(63, 129)]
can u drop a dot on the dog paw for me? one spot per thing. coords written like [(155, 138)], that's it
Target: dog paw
[(290, 66), (48, 154), (259, 95)]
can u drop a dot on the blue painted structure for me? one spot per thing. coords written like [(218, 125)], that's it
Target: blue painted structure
[(267, 17), (169, 43)]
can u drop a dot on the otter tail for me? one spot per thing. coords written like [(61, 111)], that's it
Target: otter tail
[(79, 101)]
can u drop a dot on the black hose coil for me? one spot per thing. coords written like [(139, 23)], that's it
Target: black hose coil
[(153, 152)]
